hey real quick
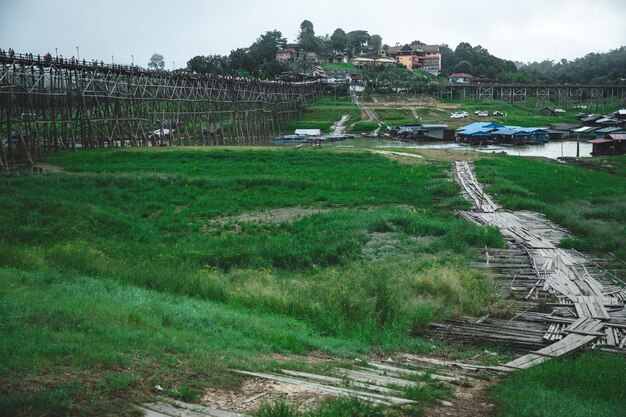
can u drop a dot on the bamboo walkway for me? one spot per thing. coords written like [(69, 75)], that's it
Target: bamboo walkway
[(574, 304), (378, 382)]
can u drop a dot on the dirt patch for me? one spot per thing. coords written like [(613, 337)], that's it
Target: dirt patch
[(469, 401), (48, 168), (274, 216), (256, 391), (402, 157), (282, 215)]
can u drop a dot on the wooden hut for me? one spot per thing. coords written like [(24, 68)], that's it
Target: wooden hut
[(611, 144)]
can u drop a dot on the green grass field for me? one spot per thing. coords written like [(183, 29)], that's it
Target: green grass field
[(326, 111), (347, 66), (589, 203), (514, 114), (593, 384), (393, 117), (136, 268)]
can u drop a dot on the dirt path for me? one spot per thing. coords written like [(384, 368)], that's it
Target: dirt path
[(472, 401), (339, 128), (369, 112)]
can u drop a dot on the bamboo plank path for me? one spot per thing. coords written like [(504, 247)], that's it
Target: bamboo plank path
[(587, 311), (377, 382)]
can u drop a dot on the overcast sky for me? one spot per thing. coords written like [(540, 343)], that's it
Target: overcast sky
[(529, 30)]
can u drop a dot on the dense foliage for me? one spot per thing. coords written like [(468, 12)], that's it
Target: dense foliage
[(476, 61), (259, 58), (602, 68)]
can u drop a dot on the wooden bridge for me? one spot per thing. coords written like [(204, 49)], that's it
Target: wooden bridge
[(539, 95), (49, 104)]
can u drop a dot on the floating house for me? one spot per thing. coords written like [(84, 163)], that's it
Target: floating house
[(516, 135), (422, 132), (611, 144), (477, 133)]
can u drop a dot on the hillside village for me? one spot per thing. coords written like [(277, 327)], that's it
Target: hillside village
[(416, 56)]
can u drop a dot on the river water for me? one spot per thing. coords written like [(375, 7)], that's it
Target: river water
[(551, 150)]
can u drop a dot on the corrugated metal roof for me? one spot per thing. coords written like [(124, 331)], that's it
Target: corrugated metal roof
[(608, 129), (479, 131), (435, 126), (617, 136), (607, 120), (481, 125), (584, 129), (564, 126), (507, 130), (599, 141)]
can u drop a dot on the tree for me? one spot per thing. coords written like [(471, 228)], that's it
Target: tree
[(356, 40), (239, 59), (265, 47), (211, 64), (463, 52), (306, 37), (339, 40), (448, 60), (464, 67), (156, 62), (375, 42)]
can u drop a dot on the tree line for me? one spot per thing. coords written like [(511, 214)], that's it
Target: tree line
[(600, 68), (593, 68), (258, 59)]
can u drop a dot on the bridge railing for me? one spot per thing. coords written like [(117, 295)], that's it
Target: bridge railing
[(74, 63)]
